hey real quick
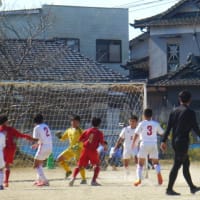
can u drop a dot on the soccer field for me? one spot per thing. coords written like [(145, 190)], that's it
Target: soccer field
[(115, 185)]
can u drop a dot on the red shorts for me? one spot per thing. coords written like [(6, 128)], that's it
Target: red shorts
[(88, 155), (9, 154)]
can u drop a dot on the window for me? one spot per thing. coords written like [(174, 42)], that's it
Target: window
[(172, 57), (72, 43), (108, 51)]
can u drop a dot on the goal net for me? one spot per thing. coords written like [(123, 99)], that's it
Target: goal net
[(114, 103)]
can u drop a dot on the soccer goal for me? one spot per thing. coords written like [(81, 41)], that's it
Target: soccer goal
[(114, 103)]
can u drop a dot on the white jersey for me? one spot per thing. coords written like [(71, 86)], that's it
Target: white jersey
[(43, 134), (148, 130), (2, 145), (127, 134)]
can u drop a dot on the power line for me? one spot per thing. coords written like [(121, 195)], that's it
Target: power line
[(139, 3), (160, 4)]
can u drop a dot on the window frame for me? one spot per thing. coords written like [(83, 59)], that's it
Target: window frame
[(167, 56), (107, 43)]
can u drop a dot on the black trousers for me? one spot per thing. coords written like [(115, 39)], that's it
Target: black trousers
[(180, 158)]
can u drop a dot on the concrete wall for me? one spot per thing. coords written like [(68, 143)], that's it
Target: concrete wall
[(158, 50), (139, 50)]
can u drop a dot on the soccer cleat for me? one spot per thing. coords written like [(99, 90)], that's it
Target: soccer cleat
[(138, 182), (172, 193), (71, 182), (42, 183), (36, 182), (160, 179), (83, 181), (194, 189), (5, 184), (68, 173), (1, 187), (94, 183)]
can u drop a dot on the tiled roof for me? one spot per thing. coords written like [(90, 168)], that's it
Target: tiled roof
[(140, 38), (50, 60), (138, 68), (166, 18), (187, 75)]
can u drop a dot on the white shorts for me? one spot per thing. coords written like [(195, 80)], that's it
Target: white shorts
[(150, 150), (43, 152), (130, 153), (2, 162)]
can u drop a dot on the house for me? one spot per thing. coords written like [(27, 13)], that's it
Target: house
[(168, 52), (98, 33)]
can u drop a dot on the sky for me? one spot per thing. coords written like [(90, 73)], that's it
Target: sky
[(138, 9)]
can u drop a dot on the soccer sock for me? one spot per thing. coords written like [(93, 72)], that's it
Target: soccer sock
[(40, 173), (96, 173), (82, 172), (1, 177), (76, 171), (139, 172), (64, 165), (126, 163), (7, 175), (157, 168)]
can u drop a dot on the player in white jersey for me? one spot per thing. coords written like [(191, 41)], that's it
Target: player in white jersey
[(126, 137), (43, 136), (2, 163), (147, 131)]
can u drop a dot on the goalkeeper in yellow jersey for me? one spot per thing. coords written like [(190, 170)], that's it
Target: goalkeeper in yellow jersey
[(72, 134)]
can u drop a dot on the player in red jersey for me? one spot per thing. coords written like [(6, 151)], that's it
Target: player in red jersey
[(9, 151), (91, 139)]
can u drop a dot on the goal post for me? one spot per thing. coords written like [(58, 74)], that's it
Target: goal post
[(113, 102)]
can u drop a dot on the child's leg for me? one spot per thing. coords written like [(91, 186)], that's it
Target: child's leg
[(62, 160), (1, 177), (40, 173), (7, 174), (139, 171), (158, 170), (96, 173)]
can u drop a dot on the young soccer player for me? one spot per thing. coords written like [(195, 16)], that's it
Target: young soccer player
[(72, 134), (126, 137), (11, 135), (102, 151), (147, 130), (2, 163), (181, 120), (42, 134), (91, 139), (115, 156)]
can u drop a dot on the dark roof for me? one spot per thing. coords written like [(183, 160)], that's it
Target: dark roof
[(140, 38), (186, 75), (169, 17), (50, 60), (138, 68)]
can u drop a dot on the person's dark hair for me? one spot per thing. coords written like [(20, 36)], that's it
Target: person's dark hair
[(133, 117), (75, 117), (3, 119), (148, 112), (96, 121), (185, 96), (38, 119), (105, 142)]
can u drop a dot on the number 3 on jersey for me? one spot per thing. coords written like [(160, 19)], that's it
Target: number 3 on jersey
[(149, 130), (47, 131)]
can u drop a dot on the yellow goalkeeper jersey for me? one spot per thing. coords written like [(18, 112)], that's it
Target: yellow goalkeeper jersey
[(73, 135)]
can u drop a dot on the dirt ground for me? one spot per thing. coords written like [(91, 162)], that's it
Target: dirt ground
[(115, 185)]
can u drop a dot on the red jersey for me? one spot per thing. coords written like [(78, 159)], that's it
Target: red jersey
[(11, 135), (91, 138)]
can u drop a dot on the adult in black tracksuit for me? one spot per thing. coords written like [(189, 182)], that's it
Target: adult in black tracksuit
[(181, 120)]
